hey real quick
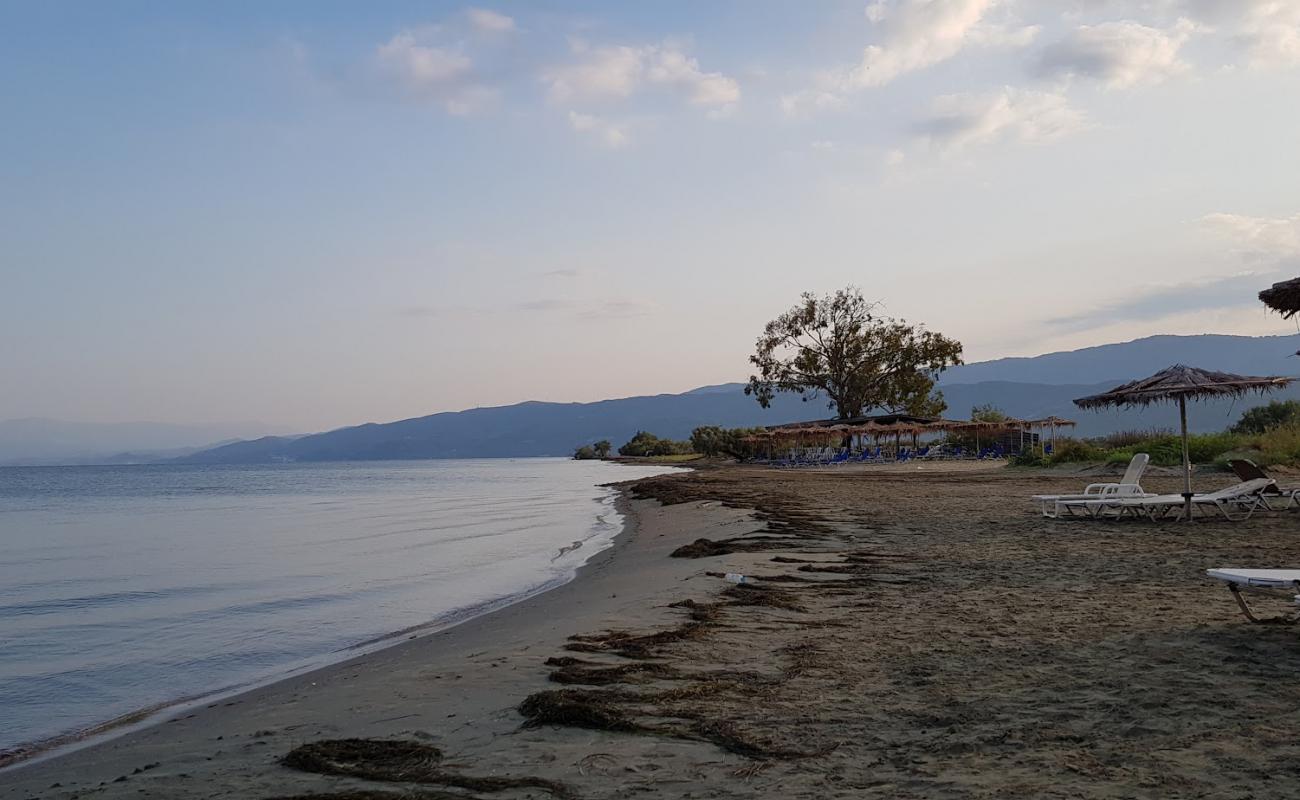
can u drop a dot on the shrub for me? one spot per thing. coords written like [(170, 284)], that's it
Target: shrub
[(584, 453), (647, 444), (1072, 450), (713, 441), (1121, 457), (987, 413), (1028, 458), (1277, 414), (1124, 440)]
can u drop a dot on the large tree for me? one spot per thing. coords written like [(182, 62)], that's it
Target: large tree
[(838, 347)]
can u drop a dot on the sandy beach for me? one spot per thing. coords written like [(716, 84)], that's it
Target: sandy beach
[(913, 633)]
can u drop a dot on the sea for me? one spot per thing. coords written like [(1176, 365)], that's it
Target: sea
[(125, 588)]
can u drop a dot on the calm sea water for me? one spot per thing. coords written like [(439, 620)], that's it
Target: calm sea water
[(123, 587)]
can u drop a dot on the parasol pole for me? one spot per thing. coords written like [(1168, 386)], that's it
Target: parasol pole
[(1187, 459)]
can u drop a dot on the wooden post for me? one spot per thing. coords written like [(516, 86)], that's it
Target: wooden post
[(1187, 460)]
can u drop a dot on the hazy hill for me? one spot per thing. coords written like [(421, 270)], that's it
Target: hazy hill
[(51, 441), (1024, 387), (1244, 355)]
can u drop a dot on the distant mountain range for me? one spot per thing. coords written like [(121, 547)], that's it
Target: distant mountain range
[(37, 441), (1022, 387), (1112, 363)]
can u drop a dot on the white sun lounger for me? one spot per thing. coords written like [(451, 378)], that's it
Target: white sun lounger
[(1271, 582), (1234, 503), (1128, 486)]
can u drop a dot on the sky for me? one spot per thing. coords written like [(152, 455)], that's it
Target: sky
[(317, 214)]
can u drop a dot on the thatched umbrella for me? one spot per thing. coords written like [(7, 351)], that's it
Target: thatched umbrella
[(1179, 383), (1283, 297)]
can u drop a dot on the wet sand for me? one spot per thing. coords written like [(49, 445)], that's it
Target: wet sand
[(916, 633)]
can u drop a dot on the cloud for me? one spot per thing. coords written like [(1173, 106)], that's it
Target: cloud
[(1267, 31), (1268, 246), (618, 72), (958, 121), (488, 21), (428, 71), (1150, 303), (1258, 238), (1120, 54), (921, 33), (418, 65), (608, 134), (913, 35), (570, 272)]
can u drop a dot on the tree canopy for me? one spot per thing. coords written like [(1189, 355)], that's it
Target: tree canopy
[(713, 441), (645, 443), (837, 346)]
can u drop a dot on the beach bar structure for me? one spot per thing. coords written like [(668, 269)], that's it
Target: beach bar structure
[(1002, 436)]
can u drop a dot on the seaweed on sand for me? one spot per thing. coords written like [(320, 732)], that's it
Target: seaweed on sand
[(600, 675), (704, 548), (374, 759), (399, 760), (616, 711), (700, 612), (369, 795), (768, 596), (729, 737), (629, 646), (577, 708)]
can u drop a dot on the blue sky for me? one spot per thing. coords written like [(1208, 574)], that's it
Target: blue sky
[(319, 214)]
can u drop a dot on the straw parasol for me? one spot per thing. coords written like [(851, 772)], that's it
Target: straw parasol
[(1283, 297), (1179, 383)]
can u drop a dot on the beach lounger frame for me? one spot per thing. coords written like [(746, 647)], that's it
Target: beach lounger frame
[(1235, 503), (1276, 497), (1241, 583), (1128, 486)]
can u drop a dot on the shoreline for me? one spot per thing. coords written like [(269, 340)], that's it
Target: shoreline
[(898, 634), (95, 753), (68, 743)]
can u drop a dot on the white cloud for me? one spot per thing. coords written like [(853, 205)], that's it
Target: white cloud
[(607, 133), (605, 73), (672, 67), (1258, 238), (490, 21), (913, 35), (419, 65), (430, 71), (958, 121), (921, 33), (618, 72), (1120, 54), (1268, 31)]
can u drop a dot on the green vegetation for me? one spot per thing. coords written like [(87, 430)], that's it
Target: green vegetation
[(836, 346), (588, 452), (714, 441), (1277, 414), (645, 444), (1268, 435), (1274, 447), (988, 413)]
